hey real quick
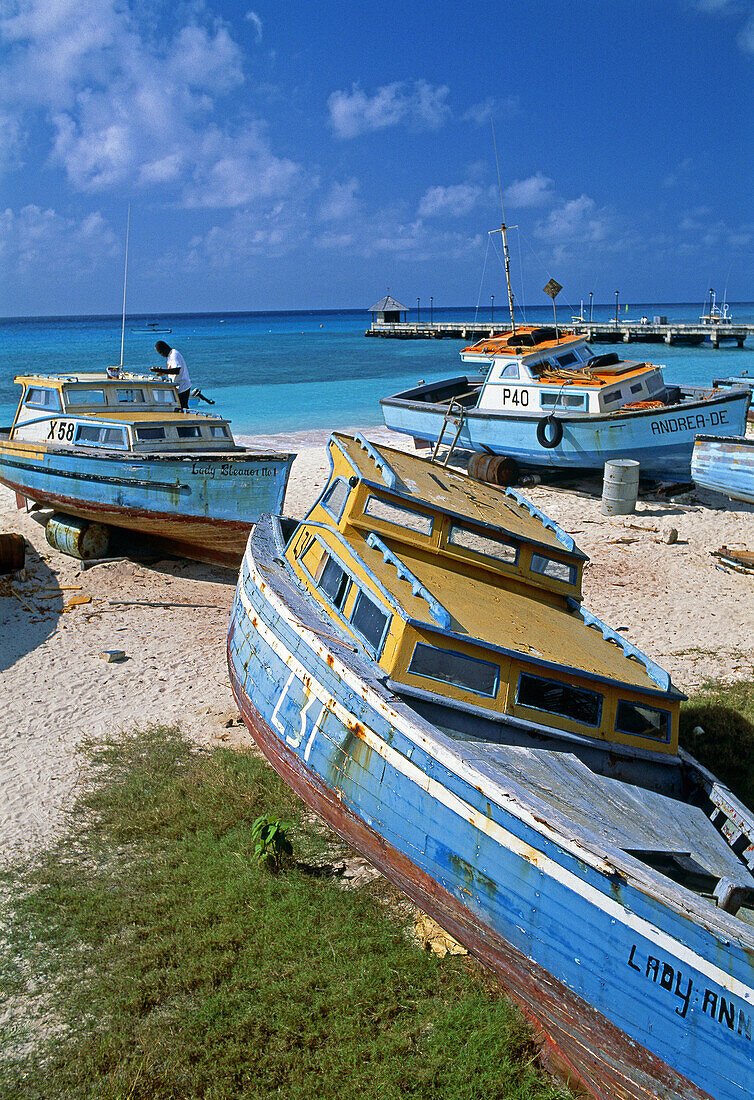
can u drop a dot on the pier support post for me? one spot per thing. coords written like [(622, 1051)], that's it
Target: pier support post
[(626, 336), (668, 337)]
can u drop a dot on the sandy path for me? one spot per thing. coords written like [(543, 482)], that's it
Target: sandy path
[(679, 606)]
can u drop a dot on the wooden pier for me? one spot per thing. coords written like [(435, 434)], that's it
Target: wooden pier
[(598, 332)]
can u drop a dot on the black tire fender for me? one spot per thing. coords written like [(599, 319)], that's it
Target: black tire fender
[(556, 431)]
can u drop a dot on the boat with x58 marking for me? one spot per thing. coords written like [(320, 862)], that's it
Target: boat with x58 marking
[(414, 658)]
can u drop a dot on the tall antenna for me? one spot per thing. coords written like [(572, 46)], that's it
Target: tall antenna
[(125, 274), (503, 230)]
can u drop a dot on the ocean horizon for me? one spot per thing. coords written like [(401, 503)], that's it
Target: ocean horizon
[(277, 371)]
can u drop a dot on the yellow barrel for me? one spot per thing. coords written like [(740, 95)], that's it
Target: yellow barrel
[(620, 487), (77, 537), (496, 469), (12, 552)]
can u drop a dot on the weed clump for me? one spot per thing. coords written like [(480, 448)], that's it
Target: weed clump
[(717, 727)]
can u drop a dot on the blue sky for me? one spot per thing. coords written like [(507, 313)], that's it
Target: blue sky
[(293, 154)]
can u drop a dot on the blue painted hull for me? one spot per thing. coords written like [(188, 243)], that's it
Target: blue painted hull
[(621, 983), (725, 465), (661, 440), (204, 504)]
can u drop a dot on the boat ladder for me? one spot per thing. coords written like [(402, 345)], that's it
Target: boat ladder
[(453, 418)]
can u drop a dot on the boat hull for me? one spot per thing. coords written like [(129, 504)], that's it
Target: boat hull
[(598, 963), (725, 465), (202, 505), (660, 439)]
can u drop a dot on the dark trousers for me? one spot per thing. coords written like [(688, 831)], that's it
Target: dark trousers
[(183, 397)]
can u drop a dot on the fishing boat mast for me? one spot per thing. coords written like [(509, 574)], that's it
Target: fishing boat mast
[(125, 274), (503, 230)]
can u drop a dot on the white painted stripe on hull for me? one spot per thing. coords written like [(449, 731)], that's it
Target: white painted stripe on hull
[(495, 831)]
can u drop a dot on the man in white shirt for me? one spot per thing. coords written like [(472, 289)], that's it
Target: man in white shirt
[(175, 366)]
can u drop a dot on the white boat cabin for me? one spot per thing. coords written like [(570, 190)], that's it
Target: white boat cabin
[(536, 371), (132, 412)]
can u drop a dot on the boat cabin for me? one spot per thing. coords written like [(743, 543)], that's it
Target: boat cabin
[(468, 595), (540, 371), (132, 412)]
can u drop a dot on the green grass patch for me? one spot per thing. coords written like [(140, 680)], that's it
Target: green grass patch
[(149, 956), (724, 713)]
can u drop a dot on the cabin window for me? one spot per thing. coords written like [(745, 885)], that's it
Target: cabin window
[(163, 396), (612, 397), (85, 397), (396, 513), (218, 431), (39, 398), (130, 396), (564, 400), (559, 698), (567, 359), (539, 366), (637, 388), (549, 567), (369, 619), (149, 433), (641, 721), (469, 673), (334, 500), (655, 383), (92, 433), (510, 370), (189, 431), (87, 433), (334, 581), (113, 437), (487, 545)]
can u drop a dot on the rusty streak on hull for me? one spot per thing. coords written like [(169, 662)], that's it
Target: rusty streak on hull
[(576, 1042), (217, 541)]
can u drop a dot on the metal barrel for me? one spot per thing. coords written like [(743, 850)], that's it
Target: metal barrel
[(77, 537), (496, 469), (12, 552), (620, 487)]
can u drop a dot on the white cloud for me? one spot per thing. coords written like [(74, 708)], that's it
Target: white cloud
[(419, 105), (124, 110), (482, 113), (255, 20), (733, 9), (454, 201), (575, 220), (534, 191), (34, 239), (341, 202)]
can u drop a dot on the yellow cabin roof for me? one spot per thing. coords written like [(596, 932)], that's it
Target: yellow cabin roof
[(436, 487)]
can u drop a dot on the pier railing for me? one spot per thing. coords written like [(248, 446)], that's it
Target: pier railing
[(599, 332)]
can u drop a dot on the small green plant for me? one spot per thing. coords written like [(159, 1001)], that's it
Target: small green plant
[(272, 847)]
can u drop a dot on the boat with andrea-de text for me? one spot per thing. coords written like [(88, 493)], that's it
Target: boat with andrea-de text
[(116, 450), (414, 658), (540, 396)]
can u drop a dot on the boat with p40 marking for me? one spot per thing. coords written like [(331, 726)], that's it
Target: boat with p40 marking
[(415, 660), (543, 398), (117, 450)]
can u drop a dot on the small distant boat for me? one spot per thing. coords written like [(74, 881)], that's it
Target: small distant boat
[(414, 659), (716, 315), (117, 450), (724, 464), (151, 326)]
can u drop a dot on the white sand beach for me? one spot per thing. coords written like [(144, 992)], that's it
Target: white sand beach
[(673, 599)]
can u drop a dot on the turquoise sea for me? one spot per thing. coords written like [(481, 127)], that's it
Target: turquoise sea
[(294, 371)]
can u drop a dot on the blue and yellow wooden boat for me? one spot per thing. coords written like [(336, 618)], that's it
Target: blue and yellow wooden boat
[(120, 452), (725, 465), (415, 660), (544, 399)]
